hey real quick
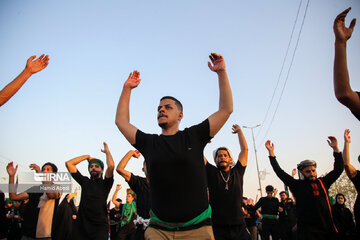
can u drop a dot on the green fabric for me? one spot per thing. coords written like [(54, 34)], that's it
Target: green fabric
[(269, 216), (97, 162), (128, 212), (154, 220)]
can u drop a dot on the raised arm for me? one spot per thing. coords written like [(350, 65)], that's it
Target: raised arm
[(286, 178), (124, 161), (12, 193), (71, 164), (31, 67), (122, 119), (116, 203), (349, 169), (334, 174), (343, 91), (109, 161), (243, 155), (218, 119)]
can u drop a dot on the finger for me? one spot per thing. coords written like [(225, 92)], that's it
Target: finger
[(41, 56), (31, 58), (210, 66), (344, 13), (352, 24)]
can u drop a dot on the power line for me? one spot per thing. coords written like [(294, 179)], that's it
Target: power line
[(288, 73), (282, 68)]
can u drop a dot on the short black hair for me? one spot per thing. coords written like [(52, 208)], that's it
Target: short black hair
[(269, 188), (118, 200), (53, 167), (177, 102), (283, 192)]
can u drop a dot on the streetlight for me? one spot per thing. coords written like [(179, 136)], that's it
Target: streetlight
[(257, 164)]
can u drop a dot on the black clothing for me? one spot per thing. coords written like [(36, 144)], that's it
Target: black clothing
[(250, 220), (287, 220), (92, 218), (225, 204), (312, 204), (344, 222), (114, 216), (63, 220), (356, 182), (142, 189), (31, 212), (3, 226), (176, 172), (269, 212)]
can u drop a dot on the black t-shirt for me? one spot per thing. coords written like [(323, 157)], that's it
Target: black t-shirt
[(141, 187), (115, 215), (226, 205), (176, 172), (252, 216), (288, 215), (269, 206), (356, 182), (94, 193)]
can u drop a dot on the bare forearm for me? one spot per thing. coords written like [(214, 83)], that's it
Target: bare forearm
[(226, 100), (71, 164), (115, 196), (349, 169), (110, 166), (9, 90), (243, 156), (341, 75), (122, 164)]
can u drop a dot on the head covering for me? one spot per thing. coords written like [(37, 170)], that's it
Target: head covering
[(96, 161), (306, 163), (7, 200), (340, 194)]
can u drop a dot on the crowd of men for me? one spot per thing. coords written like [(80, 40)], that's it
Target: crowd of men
[(182, 195)]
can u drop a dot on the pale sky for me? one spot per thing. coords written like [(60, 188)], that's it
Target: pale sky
[(68, 109)]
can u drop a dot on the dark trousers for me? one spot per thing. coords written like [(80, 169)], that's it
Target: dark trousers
[(231, 232), (270, 227)]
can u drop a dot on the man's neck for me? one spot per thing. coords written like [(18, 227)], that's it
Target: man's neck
[(169, 131)]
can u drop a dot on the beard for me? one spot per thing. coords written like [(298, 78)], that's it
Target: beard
[(95, 175), (163, 125), (222, 166)]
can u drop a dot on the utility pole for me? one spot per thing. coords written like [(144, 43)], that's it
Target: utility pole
[(257, 164)]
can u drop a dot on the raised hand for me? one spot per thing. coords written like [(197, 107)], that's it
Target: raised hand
[(236, 128), (37, 65), (35, 167), (347, 136), (270, 147), (136, 154), (333, 143), (218, 62), (106, 149), (11, 170), (133, 80), (118, 187), (342, 33), (293, 172)]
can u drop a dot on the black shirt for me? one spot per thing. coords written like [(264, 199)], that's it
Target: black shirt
[(356, 182), (269, 206), (94, 193), (141, 187), (312, 206), (226, 204), (176, 172)]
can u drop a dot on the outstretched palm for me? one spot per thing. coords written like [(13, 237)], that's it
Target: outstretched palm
[(133, 80), (341, 31), (347, 136), (38, 64), (10, 169)]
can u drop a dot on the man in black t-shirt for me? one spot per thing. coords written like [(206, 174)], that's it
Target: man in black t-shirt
[(115, 213), (140, 186), (226, 191), (354, 176), (287, 217), (343, 91), (92, 218), (313, 210), (175, 160), (269, 212)]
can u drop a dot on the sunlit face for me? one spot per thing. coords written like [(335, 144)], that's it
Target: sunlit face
[(250, 201), (168, 114), (283, 196), (129, 198), (340, 200), (223, 160), (309, 173), (95, 171), (47, 169)]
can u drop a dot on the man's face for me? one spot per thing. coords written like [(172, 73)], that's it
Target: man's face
[(95, 171), (269, 194), (223, 160), (309, 173), (168, 113), (283, 196), (129, 198), (47, 169), (340, 200)]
